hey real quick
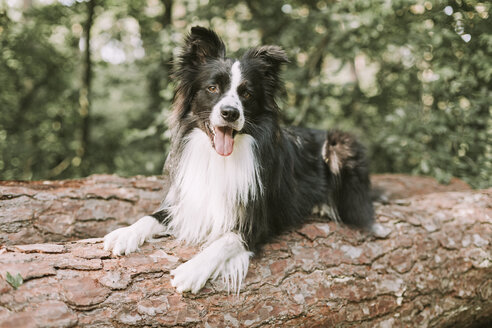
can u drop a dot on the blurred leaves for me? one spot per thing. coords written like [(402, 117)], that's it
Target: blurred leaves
[(411, 78)]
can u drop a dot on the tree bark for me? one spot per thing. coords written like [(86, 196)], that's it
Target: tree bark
[(67, 210), (429, 263)]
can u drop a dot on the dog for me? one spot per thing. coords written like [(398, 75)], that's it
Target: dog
[(237, 178)]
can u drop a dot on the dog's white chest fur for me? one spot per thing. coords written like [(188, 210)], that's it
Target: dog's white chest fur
[(209, 192)]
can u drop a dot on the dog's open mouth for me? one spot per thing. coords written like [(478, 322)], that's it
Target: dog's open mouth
[(222, 138)]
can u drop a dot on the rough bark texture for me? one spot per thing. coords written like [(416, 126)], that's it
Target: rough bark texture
[(428, 264), (53, 211)]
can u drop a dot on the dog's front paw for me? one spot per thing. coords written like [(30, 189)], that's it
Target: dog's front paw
[(190, 276), (123, 241)]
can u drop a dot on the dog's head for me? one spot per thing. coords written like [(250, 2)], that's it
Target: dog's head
[(224, 96)]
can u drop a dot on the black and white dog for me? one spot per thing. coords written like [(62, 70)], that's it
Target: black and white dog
[(237, 177)]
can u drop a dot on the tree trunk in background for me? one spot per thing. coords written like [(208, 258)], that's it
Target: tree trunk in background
[(429, 263), (156, 78), (85, 94), (168, 13)]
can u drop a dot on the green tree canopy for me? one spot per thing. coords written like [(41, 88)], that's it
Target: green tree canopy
[(411, 78)]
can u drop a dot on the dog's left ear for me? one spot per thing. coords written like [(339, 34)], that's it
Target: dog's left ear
[(202, 44), (271, 59), (272, 56)]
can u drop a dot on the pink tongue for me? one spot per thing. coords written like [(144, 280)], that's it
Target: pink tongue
[(224, 143)]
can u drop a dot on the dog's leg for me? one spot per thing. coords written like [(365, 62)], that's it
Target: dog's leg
[(226, 257), (128, 239), (349, 177), (354, 201)]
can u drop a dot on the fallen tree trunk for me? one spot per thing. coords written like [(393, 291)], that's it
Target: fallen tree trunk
[(428, 264), (67, 210), (53, 211)]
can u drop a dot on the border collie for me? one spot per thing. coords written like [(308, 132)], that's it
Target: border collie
[(237, 177)]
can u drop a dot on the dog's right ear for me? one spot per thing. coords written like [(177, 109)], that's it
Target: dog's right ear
[(201, 44)]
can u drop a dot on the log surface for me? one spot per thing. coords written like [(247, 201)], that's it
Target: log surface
[(67, 210), (428, 264)]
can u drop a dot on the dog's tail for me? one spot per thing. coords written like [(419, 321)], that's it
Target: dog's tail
[(348, 169)]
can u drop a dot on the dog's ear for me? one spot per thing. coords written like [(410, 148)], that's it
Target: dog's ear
[(271, 59), (199, 46), (202, 44), (272, 56)]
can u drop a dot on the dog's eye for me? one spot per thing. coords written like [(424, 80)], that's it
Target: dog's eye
[(212, 89), (246, 95)]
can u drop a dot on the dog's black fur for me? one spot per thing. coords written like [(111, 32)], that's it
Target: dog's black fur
[(299, 168)]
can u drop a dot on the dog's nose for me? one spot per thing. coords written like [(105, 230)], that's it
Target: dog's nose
[(229, 113)]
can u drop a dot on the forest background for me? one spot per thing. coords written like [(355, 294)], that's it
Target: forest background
[(85, 85)]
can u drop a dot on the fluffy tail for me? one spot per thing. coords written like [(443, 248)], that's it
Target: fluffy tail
[(348, 171)]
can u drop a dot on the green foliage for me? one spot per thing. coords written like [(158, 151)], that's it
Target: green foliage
[(410, 77), (14, 281)]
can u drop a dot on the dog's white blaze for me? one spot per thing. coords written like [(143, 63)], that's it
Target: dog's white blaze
[(209, 191), (231, 98), (235, 79)]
